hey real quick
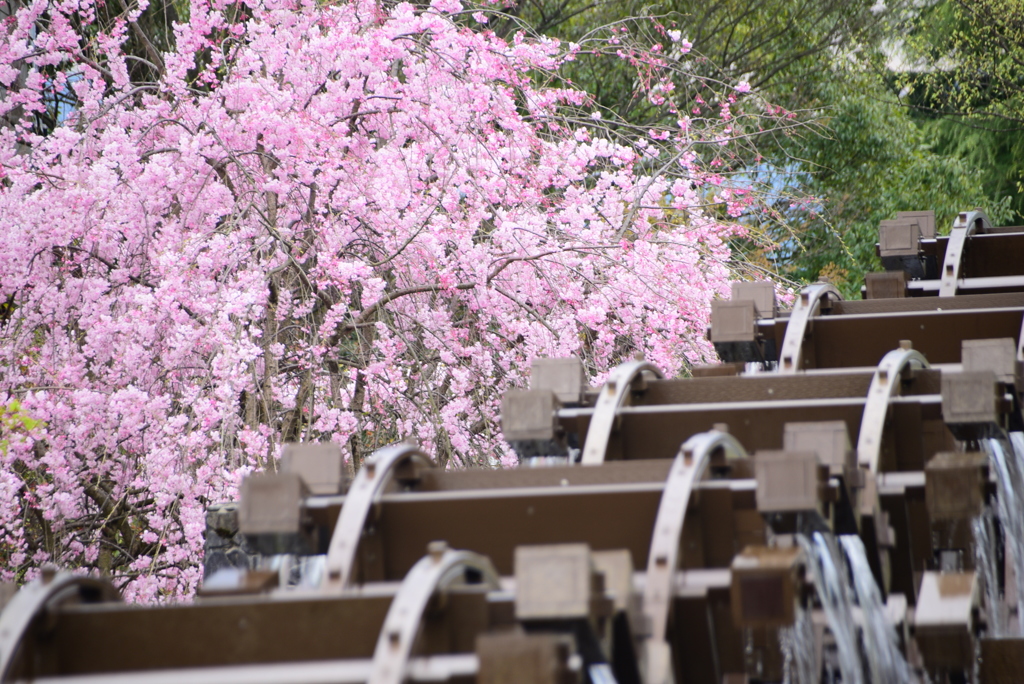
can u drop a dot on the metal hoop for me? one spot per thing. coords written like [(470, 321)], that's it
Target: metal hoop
[(366, 490), (809, 303), (438, 569), (884, 385), (663, 560), (34, 598), (963, 227), (1020, 341), (613, 396)]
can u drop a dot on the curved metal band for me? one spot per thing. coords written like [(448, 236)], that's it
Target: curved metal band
[(963, 227), (34, 598), (663, 560), (791, 357), (613, 395), (437, 570), (1020, 342), (366, 490), (884, 386)]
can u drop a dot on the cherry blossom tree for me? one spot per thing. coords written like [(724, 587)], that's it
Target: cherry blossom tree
[(318, 221)]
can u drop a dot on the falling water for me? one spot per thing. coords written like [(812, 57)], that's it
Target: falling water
[(1010, 483), (881, 643), (835, 594), (797, 644), (986, 559), (311, 570), (296, 571)]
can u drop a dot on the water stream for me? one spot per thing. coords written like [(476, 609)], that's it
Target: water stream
[(986, 556), (836, 595), (1009, 467), (295, 571), (798, 650), (878, 636), (879, 642)]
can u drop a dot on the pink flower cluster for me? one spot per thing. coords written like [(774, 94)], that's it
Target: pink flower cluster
[(324, 222)]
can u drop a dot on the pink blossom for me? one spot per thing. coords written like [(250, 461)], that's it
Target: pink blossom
[(449, 6), (363, 226)]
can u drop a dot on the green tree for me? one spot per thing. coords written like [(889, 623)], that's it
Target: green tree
[(961, 70), (872, 162), (966, 58)]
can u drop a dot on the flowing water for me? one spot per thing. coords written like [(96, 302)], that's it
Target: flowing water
[(878, 636), (797, 643), (836, 595), (296, 571), (1009, 467), (986, 561)]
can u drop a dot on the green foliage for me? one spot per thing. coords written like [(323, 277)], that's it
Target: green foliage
[(873, 162), (15, 422), (964, 78), (997, 155), (16, 425), (967, 58)]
